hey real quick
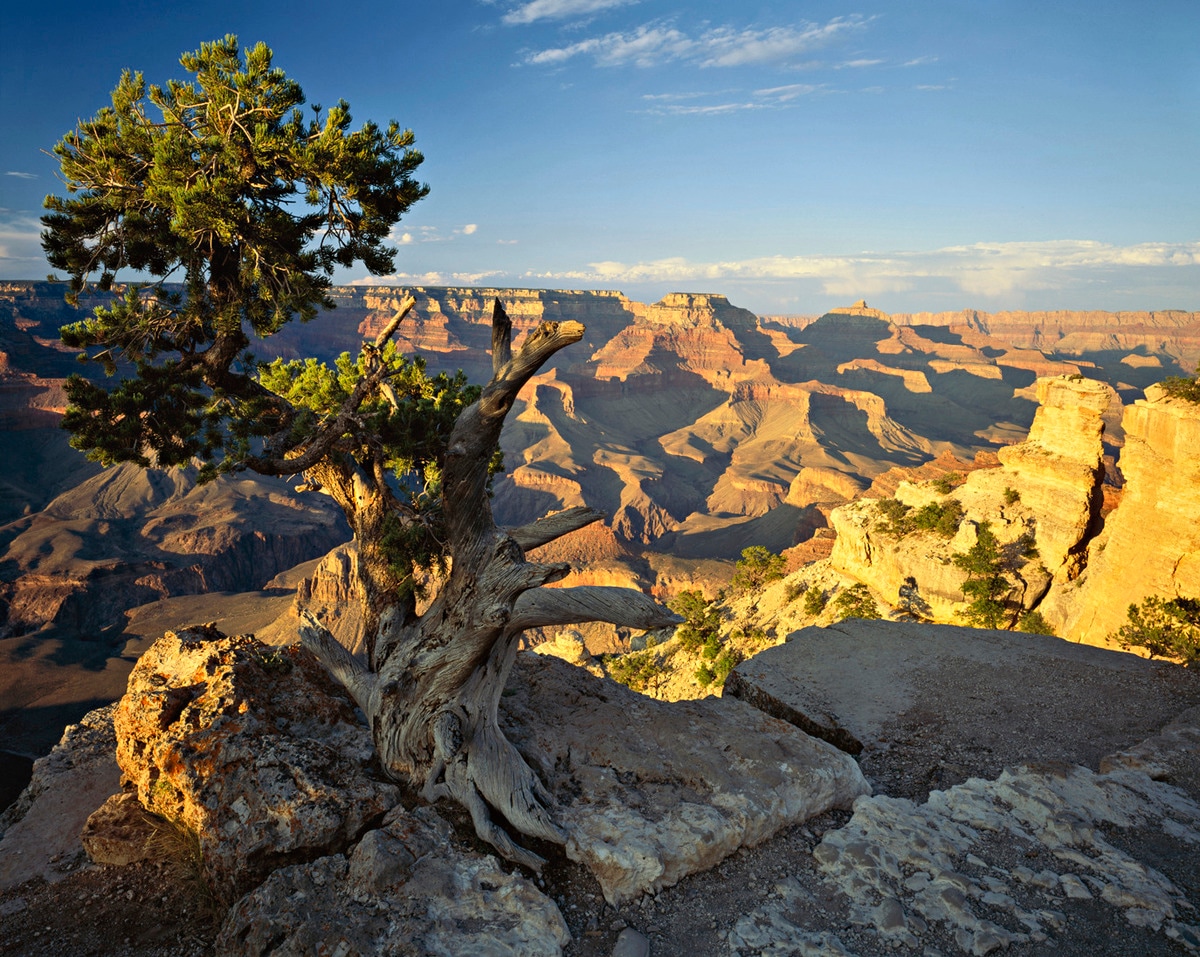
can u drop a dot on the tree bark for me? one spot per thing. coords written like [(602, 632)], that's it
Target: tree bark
[(433, 686)]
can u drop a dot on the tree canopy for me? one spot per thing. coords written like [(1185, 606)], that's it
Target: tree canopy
[(224, 184)]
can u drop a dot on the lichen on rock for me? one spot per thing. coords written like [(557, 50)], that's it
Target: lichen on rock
[(252, 748)]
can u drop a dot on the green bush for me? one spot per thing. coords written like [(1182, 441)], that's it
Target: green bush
[(701, 619), (1165, 629), (1011, 496), (756, 569), (986, 582), (856, 602), (899, 520), (945, 483), (1034, 623), (893, 519), (941, 518), (719, 670), (1183, 387), (815, 601), (642, 671)]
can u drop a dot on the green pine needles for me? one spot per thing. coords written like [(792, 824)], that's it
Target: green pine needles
[(225, 184)]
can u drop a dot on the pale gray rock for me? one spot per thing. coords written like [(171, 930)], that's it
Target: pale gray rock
[(631, 944), (857, 682), (651, 791), (404, 890), (41, 830), (904, 868), (254, 749)]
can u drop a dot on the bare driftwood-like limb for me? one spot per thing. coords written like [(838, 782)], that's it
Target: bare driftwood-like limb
[(433, 687), (554, 526)]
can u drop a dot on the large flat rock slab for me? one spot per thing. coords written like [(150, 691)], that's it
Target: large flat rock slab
[(652, 791), (39, 834), (995, 698)]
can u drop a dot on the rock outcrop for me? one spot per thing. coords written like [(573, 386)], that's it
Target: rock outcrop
[(39, 834), (1044, 495), (405, 888), (1031, 795), (1151, 541), (657, 797), (946, 866), (250, 748)]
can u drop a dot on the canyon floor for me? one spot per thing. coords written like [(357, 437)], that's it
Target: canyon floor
[(913, 708)]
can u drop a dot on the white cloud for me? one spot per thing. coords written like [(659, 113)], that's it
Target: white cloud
[(405, 239), (986, 270), (469, 229), (858, 64), (19, 175), (21, 248), (536, 10), (920, 61), (784, 94), (684, 104), (655, 43)]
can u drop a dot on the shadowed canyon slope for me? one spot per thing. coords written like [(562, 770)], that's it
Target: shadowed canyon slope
[(697, 427)]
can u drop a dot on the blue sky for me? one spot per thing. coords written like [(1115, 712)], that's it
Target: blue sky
[(925, 155)]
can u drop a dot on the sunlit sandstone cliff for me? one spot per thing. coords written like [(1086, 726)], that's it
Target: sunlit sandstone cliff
[(1044, 493), (1151, 542)]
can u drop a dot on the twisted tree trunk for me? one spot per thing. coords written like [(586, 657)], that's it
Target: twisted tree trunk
[(433, 687)]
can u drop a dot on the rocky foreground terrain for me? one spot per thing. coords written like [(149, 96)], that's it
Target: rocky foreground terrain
[(1010, 793)]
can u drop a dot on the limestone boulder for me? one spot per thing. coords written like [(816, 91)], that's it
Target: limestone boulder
[(251, 748), (120, 832), (406, 888), (651, 791)]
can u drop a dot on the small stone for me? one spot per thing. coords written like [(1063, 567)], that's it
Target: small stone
[(631, 944)]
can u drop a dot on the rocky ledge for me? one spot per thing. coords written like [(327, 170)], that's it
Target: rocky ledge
[(1029, 794)]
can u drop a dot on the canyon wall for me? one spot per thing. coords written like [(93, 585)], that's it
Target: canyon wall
[(1044, 495), (697, 427), (1150, 544)]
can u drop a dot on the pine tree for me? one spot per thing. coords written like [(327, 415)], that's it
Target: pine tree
[(224, 183)]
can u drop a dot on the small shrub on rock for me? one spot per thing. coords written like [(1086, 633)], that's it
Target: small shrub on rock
[(756, 569), (945, 483), (815, 601), (1034, 623), (1164, 629), (1183, 387), (856, 602)]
